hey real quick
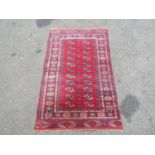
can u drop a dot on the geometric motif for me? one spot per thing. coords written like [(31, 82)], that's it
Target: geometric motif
[(77, 89)]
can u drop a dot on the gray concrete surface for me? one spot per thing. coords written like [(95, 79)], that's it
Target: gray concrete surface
[(22, 52)]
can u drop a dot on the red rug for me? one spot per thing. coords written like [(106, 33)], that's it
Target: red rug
[(77, 89)]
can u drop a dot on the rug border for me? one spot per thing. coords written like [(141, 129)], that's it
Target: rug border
[(42, 79), (113, 76)]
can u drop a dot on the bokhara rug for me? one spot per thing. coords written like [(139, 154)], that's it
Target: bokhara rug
[(78, 89)]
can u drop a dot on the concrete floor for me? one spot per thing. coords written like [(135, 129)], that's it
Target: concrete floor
[(22, 52)]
